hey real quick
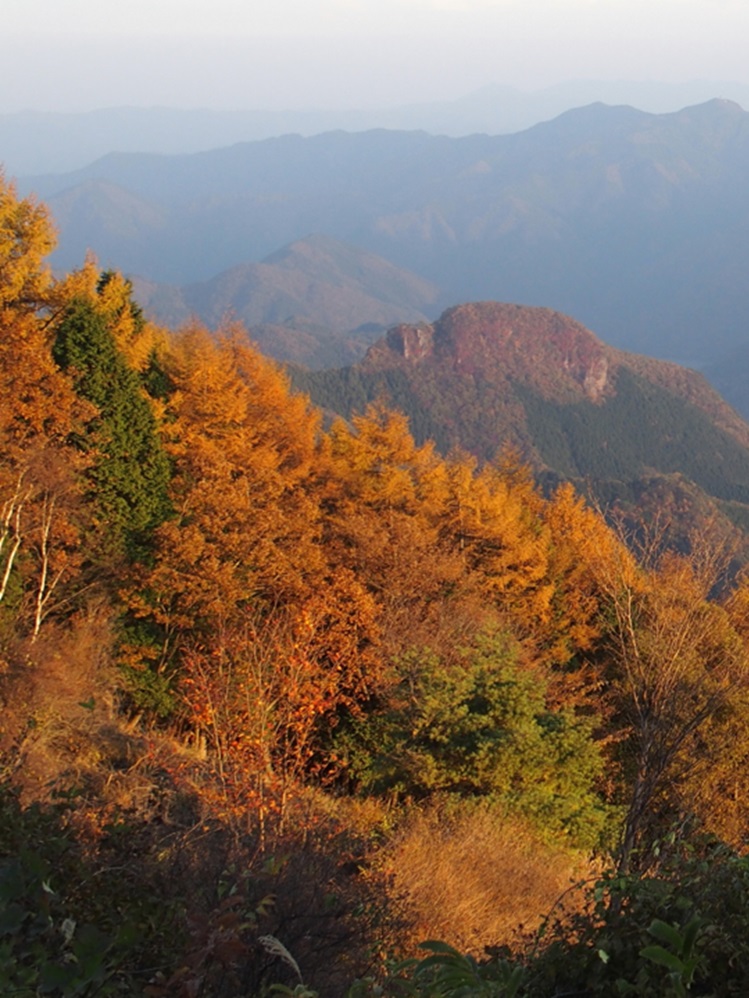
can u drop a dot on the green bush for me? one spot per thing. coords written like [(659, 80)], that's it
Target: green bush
[(684, 930), (480, 728)]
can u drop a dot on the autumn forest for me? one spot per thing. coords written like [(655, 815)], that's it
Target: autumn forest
[(285, 696)]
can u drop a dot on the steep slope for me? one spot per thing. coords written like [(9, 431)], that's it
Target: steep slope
[(489, 375)]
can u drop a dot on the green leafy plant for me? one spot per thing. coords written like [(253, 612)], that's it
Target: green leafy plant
[(681, 930), (481, 729), (677, 950), (447, 973)]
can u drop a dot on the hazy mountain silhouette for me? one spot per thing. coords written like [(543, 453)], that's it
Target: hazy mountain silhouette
[(317, 301), (41, 142), (634, 222)]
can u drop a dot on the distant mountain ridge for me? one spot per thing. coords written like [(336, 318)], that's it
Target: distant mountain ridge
[(317, 301), (633, 222), (44, 142)]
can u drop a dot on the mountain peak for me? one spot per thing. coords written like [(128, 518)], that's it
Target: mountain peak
[(720, 105), (535, 346), (491, 375)]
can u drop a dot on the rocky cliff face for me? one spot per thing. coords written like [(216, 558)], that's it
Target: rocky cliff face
[(534, 346), (413, 343), (489, 347)]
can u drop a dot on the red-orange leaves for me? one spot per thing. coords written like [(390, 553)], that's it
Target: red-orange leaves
[(263, 692)]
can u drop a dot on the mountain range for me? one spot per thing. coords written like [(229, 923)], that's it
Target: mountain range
[(42, 142), (633, 222)]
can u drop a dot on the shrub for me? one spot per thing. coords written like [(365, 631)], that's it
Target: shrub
[(684, 929), (480, 728)]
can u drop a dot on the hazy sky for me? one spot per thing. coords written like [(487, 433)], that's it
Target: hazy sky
[(85, 54)]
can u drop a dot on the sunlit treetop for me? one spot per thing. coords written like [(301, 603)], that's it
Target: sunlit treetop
[(26, 238)]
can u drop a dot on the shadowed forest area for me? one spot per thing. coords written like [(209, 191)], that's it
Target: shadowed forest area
[(282, 701)]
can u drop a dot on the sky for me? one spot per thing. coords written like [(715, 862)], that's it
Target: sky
[(77, 55)]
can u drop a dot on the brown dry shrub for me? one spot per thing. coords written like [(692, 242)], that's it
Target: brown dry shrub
[(475, 879), (71, 662), (58, 695)]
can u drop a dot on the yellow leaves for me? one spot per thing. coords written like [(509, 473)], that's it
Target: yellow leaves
[(36, 399), (583, 552), (500, 530), (230, 401), (209, 393), (502, 542), (80, 283), (378, 460), (425, 531), (26, 238), (243, 450), (737, 608)]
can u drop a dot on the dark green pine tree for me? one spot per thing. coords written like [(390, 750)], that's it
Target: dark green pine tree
[(130, 474)]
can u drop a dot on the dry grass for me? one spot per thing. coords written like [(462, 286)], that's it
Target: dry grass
[(60, 727), (476, 880)]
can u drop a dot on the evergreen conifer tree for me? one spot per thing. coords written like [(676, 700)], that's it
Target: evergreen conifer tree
[(130, 476)]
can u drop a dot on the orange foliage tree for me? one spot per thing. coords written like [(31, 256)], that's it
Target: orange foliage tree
[(382, 496), (267, 640), (26, 238), (242, 448), (40, 484)]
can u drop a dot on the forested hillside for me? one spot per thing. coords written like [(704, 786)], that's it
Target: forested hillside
[(281, 699), (624, 428)]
